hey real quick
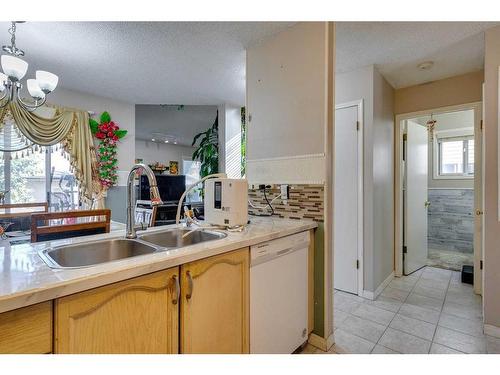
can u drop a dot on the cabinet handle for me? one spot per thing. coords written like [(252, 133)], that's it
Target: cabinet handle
[(177, 290), (190, 285)]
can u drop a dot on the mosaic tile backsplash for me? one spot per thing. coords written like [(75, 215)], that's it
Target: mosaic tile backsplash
[(451, 220), (306, 202)]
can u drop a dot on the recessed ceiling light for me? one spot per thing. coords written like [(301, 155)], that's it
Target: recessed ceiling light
[(166, 140), (426, 65), (153, 139)]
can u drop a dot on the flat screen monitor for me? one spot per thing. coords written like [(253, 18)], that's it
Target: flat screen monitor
[(170, 187)]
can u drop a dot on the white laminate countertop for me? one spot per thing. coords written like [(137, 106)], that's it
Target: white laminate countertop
[(26, 279)]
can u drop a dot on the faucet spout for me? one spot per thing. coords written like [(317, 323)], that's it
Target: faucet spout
[(153, 192)]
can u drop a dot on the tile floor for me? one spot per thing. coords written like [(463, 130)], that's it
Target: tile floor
[(430, 311)]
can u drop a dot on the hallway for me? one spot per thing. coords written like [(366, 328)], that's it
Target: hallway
[(430, 311)]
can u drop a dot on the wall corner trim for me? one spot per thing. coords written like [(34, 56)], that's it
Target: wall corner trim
[(492, 330), (320, 342), (372, 295)]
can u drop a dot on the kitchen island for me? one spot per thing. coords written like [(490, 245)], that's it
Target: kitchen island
[(78, 300)]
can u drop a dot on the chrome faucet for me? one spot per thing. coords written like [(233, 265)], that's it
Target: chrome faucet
[(153, 192)]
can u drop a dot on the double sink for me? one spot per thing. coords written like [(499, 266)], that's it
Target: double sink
[(97, 252)]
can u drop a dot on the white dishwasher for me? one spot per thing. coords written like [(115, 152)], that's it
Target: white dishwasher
[(278, 294)]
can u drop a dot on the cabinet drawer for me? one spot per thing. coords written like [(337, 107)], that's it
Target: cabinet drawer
[(27, 330)]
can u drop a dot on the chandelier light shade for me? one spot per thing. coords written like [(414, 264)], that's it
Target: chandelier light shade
[(14, 69), (46, 80)]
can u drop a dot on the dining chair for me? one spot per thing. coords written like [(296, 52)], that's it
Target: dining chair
[(58, 225)]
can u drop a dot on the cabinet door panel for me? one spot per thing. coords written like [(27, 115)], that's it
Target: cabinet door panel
[(132, 316), (215, 318), (27, 330)]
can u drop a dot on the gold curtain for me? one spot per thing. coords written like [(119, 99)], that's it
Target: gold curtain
[(70, 127)]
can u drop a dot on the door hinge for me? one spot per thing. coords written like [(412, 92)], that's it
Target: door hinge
[(481, 126), (249, 117), (357, 264), (357, 126), (405, 250), (480, 264)]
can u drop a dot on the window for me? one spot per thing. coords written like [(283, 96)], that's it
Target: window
[(191, 168), (39, 177), (456, 156)]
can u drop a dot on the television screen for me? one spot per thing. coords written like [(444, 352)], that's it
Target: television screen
[(170, 187)]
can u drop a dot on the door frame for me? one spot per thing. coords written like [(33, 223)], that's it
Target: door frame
[(359, 105), (398, 183)]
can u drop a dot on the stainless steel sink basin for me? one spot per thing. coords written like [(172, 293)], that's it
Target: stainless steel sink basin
[(173, 238), (92, 253)]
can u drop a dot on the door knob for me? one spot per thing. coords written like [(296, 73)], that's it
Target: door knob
[(427, 203), (478, 212)]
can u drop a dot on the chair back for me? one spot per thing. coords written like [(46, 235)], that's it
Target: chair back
[(58, 225), (145, 213), (19, 214)]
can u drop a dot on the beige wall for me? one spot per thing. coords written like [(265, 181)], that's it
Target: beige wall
[(286, 93), (466, 88), (290, 99), (491, 291)]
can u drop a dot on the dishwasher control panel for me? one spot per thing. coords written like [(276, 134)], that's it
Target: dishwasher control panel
[(271, 249)]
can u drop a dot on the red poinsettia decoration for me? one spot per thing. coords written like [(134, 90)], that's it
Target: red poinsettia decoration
[(109, 133)]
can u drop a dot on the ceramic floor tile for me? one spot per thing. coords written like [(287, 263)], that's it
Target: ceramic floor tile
[(338, 317), (460, 287), (492, 345), (429, 292), (414, 327), (379, 349), (428, 283), (395, 293), (425, 302), (459, 341), (374, 314), (421, 313), (463, 298), (366, 329), (346, 302), (441, 349), (432, 273), (347, 343), (404, 343), (385, 303), (472, 327), (469, 312), (404, 283), (456, 277)]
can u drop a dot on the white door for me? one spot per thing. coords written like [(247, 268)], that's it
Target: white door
[(345, 221), (415, 197)]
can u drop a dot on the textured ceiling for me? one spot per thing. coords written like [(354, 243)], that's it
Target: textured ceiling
[(396, 48), (145, 62), (204, 62)]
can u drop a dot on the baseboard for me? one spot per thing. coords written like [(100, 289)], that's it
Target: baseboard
[(492, 330), (372, 295), (320, 342)]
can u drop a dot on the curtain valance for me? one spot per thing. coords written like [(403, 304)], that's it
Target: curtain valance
[(67, 126)]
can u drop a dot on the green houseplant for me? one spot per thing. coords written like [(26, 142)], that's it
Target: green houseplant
[(207, 151)]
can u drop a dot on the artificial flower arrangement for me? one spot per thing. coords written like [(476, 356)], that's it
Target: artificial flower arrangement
[(108, 133)]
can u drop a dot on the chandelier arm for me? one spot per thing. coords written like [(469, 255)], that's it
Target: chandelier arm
[(29, 106)]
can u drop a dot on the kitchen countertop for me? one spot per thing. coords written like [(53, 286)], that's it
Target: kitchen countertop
[(25, 279)]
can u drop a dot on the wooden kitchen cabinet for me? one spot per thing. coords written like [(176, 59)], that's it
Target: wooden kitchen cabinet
[(215, 304), (27, 330), (139, 315)]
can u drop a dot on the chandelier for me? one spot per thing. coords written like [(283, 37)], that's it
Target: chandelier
[(14, 70)]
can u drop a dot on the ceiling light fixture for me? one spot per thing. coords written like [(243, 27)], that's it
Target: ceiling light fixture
[(14, 70), (426, 65), (164, 138)]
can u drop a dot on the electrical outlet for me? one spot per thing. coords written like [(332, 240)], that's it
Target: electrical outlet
[(285, 193)]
